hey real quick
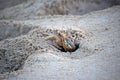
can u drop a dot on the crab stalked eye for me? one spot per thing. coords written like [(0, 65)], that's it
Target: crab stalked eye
[(73, 35)]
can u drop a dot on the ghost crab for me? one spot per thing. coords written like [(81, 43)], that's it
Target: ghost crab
[(66, 40)]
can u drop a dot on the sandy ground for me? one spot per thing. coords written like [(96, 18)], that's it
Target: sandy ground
[(25, 55), (32, 9)]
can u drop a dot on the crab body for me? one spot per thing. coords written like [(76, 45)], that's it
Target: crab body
[(63, 40)]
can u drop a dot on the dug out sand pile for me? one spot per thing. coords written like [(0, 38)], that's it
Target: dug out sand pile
[(26, 55)]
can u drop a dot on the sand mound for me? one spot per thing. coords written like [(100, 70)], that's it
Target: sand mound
[(24, 53)]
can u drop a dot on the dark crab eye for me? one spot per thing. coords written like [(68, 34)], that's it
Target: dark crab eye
[(73, 35)]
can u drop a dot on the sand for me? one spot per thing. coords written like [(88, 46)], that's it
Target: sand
[(25, 55)]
